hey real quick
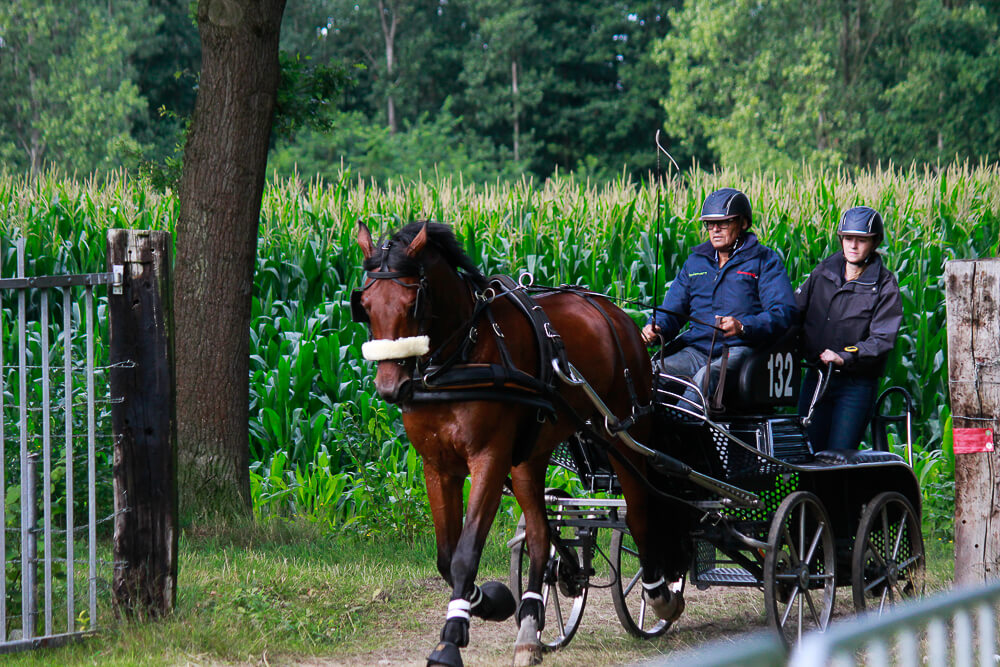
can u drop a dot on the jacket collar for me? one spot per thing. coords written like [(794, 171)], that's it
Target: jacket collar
[(833, 267)]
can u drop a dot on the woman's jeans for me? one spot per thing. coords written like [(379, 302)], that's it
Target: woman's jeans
[(842, 414)]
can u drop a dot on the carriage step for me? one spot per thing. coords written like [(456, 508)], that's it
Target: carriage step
[(727, 575)]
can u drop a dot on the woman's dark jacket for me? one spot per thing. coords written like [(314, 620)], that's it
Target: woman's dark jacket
[(753, 287), (858, 320)]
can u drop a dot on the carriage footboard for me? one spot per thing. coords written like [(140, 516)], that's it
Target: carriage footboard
[(663, 463)]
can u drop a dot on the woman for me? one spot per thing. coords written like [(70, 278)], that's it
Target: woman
[(851, 312)]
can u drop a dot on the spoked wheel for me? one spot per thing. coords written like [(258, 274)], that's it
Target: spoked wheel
[(564, 585), (637, 617), (887, 565), (799, 568)]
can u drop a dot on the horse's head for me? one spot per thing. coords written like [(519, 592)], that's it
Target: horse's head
[(393, 301), (409, 275)]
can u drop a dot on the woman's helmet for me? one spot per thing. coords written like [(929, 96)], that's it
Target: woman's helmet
[(862, 221), (726, 203)]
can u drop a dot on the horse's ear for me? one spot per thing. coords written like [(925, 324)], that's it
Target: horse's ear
[(418, 242), (365, 240)]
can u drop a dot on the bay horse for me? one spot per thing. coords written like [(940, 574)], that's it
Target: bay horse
[(429, 308)]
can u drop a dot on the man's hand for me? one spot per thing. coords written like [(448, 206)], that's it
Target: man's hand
[(831, 357), (730, 326), (650, 334)]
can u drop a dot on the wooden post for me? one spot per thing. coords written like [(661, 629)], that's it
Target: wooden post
[(973, 303), (142, 416)]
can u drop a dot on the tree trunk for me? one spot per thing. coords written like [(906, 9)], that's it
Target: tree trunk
[(517, 108), (225, 161), (389, 26)]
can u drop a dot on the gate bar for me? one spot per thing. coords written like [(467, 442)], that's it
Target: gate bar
[(46, 461), (68, 408), (91, 463), (27, 632)]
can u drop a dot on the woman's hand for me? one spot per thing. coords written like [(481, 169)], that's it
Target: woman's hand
[(831, 357)]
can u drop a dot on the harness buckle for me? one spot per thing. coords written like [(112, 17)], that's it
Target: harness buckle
[(474, 334), (496, 330), (487, 295), (549, 331), (526, 279)]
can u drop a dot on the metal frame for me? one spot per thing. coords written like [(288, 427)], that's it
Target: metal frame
[(33, 631)]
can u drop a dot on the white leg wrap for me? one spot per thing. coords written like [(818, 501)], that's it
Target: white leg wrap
[(528, 595), (400, 348), (656, 584), (458, 609)]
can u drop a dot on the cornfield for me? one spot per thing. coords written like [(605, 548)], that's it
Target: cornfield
[(321, 442)]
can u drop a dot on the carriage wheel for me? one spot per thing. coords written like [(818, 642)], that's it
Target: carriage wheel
[(887, 565), (564, 587), (637, 617), (800, 567)]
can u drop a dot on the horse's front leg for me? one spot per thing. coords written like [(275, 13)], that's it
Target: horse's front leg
[(493, 601), (444, 494)]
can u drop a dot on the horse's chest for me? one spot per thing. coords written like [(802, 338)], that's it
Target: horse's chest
[(448, 437)]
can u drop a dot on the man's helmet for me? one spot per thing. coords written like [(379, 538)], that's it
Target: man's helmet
[(861, 221), (726, 203)]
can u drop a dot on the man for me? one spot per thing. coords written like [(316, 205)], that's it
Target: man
[(732, 282)]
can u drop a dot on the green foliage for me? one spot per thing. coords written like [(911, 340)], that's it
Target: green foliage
[(427, 147), (769, 86), (306, 94), (70, 98), (326, 447)]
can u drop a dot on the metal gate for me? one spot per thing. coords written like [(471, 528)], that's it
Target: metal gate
[(54, 439)]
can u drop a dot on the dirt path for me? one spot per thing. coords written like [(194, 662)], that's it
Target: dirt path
[(710, 615)]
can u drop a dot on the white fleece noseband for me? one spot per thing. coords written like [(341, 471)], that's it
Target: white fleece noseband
[(401, 348)]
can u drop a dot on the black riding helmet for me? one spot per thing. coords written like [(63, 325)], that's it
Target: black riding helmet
[(726, 203), (862, 221)]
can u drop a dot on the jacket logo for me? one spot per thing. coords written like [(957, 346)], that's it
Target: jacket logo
[(700, 273), (747, 273)]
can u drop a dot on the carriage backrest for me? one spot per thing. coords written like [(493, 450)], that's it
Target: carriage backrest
[(770, 377)]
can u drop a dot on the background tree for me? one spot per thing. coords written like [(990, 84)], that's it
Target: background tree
[(69, 96), (220, 192)]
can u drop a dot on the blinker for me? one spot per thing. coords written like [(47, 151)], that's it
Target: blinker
[(358, 313)]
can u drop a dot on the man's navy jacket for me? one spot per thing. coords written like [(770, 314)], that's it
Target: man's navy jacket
[(753, 287)]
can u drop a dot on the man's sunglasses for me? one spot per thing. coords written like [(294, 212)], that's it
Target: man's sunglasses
[(720, 224)]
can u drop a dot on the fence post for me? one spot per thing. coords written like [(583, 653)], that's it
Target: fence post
[(140, 322), (973, 304)]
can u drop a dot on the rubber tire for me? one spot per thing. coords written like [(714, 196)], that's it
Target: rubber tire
[(783, 590), (867, 566)]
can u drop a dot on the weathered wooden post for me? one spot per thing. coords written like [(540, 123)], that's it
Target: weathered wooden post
[(973, 302), (142, 418)]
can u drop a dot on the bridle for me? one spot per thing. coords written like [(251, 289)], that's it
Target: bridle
[(419, 312)]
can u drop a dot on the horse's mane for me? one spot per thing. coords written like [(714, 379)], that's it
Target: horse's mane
[(444, 241)]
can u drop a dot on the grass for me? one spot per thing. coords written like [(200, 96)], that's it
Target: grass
[(287, 593)]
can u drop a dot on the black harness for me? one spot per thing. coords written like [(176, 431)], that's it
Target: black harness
[(451, 376)]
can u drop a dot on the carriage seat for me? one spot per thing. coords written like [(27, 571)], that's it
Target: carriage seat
[(770, 377), (852, 456)]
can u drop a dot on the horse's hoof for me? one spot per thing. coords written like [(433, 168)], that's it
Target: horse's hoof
[(527, 654), (497, 604), (446, 654), (669, 606)]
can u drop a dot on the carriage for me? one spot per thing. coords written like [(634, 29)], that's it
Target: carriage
[(490, 389), (771, 513)]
